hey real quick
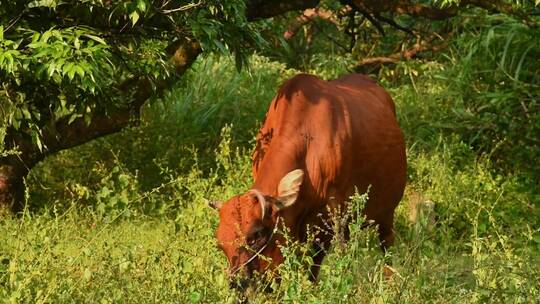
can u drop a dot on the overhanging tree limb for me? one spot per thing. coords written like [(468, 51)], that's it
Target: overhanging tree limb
[(412, 8), (421, 46), (306, 17), (260, 9), (123, 24)]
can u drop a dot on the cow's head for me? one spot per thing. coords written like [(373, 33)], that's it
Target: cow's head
[(247, 229)]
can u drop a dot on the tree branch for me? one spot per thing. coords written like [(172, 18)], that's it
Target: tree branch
[(183, 52), (259, 9), (63, 134), (434, 13), (67, 135), (403, 7), (373, 63), (394, 24), (306, 17)]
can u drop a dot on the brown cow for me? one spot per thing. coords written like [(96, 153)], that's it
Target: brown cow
[(319, 141)]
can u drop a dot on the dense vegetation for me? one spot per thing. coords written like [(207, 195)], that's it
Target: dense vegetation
[(123, 218)]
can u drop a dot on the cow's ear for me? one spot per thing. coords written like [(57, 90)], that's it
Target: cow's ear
[(289, 187)]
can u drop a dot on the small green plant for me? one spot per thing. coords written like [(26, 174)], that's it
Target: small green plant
[(124, 220)]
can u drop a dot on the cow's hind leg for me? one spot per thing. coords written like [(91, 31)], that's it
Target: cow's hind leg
[(386, 237), (386, 234)]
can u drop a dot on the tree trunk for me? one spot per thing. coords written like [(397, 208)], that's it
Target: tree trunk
[(12, 187), (14, 168), (65, 134)]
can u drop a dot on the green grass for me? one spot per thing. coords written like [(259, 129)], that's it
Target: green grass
[(123, 219), (472, 253)]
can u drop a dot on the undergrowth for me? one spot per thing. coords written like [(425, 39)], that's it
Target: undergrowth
[(124, 219), (464, 249)]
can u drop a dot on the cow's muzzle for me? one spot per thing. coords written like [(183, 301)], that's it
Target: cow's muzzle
[(240, 283)]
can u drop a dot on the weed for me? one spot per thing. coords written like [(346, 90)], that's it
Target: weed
[(124, 219)]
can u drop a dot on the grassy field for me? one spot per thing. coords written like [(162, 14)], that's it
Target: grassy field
[(123, 219)]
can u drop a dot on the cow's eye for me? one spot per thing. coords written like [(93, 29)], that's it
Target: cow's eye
[(259, 234), (257, 239)]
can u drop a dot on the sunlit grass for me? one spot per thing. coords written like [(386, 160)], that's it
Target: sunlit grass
[(123, 220)]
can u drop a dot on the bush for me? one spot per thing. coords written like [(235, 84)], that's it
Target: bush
[(485, 90), (131, 224)]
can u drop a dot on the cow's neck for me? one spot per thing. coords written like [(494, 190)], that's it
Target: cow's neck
[(279, 161)]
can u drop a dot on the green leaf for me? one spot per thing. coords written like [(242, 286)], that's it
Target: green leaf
[(16, 124), (37, 141), (72, 118), (221, 47), (79, 71), (194, 297), (51, 69), (41, 53), (134, 16), (42, 3), (95, 38), (40, 70), (35, 38), (87, 119), (141, 5), (45, 36), (69, 69), (26, 113), (87, 274)]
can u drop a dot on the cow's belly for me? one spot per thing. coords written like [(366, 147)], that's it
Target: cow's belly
[(383, 171)]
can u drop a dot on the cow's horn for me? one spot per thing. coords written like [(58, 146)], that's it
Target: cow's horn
[(214, 204), (261, 200)]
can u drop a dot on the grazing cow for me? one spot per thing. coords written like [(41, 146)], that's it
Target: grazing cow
[(319, 141)]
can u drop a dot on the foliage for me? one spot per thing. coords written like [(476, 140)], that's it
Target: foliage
[(501, 90), (69, 60), (487, 93), (512, 2), (123, 219), (486, 81), (59, 60), (173, 258), (188, 122), (157, 244)]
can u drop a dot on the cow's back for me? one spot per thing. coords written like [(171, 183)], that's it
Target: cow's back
[(344, 134), (378, 145)]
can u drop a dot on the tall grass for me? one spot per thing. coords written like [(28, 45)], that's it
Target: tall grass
[(469, 251), (123, 220), (175, 134), (486, 90)]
